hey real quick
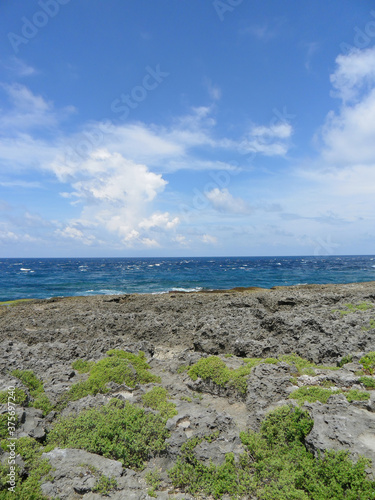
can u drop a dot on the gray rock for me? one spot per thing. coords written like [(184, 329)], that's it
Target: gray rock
[(338, 425), (76, 472)]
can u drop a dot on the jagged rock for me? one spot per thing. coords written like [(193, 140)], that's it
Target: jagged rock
[(267, 386), (76, 472), (338, 425)]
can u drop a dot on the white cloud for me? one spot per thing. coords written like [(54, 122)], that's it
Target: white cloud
[(272, 140), (75, 234), (29, 111), (355, 72), (223, 201), (159, 220), (18, 68), (209, 239)]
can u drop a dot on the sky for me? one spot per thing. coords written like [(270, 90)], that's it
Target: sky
[(187, 128)]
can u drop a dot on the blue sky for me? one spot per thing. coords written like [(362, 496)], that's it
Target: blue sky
[(187, 128)]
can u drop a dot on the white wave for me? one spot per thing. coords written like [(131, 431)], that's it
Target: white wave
[(24, 269), (197, 289)]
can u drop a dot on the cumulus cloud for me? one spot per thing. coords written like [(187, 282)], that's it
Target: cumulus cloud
[(223, 201), (355, 72)]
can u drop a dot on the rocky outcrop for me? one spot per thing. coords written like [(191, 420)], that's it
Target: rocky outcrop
[(175, 331)]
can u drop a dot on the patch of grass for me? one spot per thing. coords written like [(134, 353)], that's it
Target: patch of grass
[(120, 367), (27, 485), (104, 485), (311, 394), (350, 308), (186, 398), (368, 382), (35, 386), (157, 400), (228, 355), (345, 360), (182, 369), (213, 368), (16, 396), (117, 431), (6, 425), (82, 366), (356, 395), (368, 362), (276, 466), (153, 479), (304, 367)]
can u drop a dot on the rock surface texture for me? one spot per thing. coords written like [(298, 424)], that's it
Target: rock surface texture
[(175, 331)]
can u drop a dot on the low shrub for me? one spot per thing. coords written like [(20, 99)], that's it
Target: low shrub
[(356, 395), (124, 433), (157, 400), (16, 396), (368, 362), (120, 367), (35, 386), (368, 382), (311, 394), (276, 466)]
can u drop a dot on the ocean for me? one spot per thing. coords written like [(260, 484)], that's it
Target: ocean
[(46, 278)]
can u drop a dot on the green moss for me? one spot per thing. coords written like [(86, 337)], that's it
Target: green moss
[(356, 395), (368, 382), (157, 400), (124, 433), (120, 367), (182, 369), (16, 396), (276, 466), (368, 362), (186, 398), (82, 366), (311, 394)]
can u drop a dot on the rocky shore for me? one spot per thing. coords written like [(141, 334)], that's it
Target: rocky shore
[(271, 342)]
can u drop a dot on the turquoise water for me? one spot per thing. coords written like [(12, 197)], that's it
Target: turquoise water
[(45, 278)]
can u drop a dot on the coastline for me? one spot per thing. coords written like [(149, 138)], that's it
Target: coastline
[(321, 324)]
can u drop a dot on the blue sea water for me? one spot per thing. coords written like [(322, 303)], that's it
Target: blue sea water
[(45, 278)]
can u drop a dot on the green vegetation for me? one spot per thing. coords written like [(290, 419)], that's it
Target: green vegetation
[(350, 308), (182, 368), (311, 394), (35, 386), (18, 394), (157, 400), (315, 393), (368, 382), (186, 398), (356, 395), (345, 360), (82, 366), (120, 367), (12, 303), (371, 325), (368, 362), (276, 466), (153, 479), (104, 485), (5, 425), (213, 368), (27, 487), (117, 431)]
